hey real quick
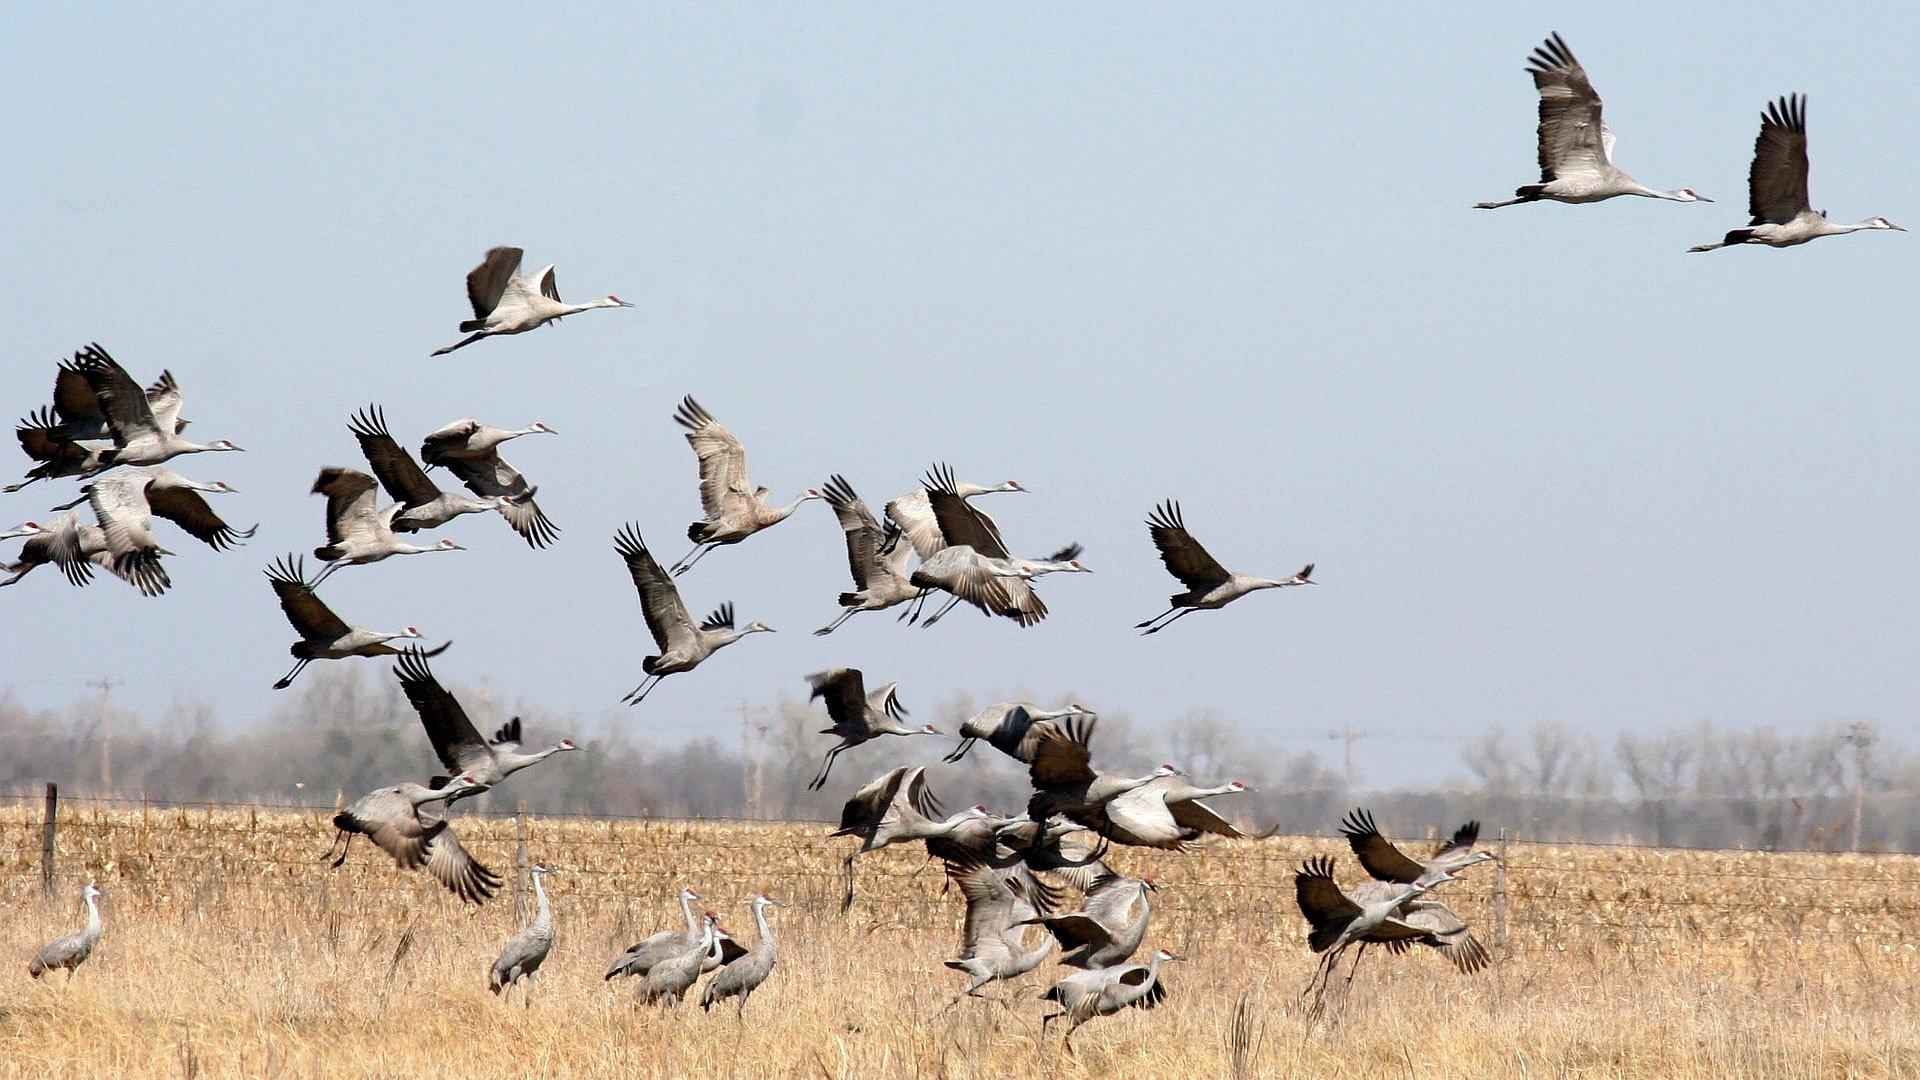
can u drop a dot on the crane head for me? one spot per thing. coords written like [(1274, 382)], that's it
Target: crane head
[(764, 900), (411, 632), (757, 627), (1166, 954), (1166, 770), (1883, 223), (928, 729), (1688, 195), (25, 528), (566, 744), (1150, 884), (1236, 786), (541, 427), (223, 444), (1011, 485), (90, 891), (448, 545), (689, 895)]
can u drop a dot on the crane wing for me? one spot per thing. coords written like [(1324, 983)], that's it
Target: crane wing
[(121, 400), (399, 474), (660, 601), (1460, 843), (120, 504), (916, 521), (1183, 555), (920, 798), (1141, 817), (351, 509), (449, 862), (487, 281), (1195, 816), (548, 288), (873, 803), (723, 461), (1061, 752), (1376, 853), (164, 401), (394, 826), (1777, 183), (310, 616), (990, 904), (491, 476), (845, 692), (456, 742), (1326, 908), (1571, 132), (1112, 902), (863, 533), (73, 399), (186, 508), (45, 439), (959, 522), (447, 441)]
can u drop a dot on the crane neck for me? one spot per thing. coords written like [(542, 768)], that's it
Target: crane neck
[(93, 916), (760, 924), (543, 912), (686, 908)]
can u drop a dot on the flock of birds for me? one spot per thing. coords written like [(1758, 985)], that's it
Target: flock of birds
[(1046, 867)]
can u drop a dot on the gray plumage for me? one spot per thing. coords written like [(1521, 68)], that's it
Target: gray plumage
[(324, 635), (683, 646), (359, 530), (1781, 213), (1210, 586), (641, 956), (668, 981), (145, 430), (1001, 904), (1385, 862), (741, 976), (423, 505), (76, 548), (1007, 726), (1109, 924), (1165, 812), (1084, 995), (1448, 934), (858, 717), (71, 951), (396, 820), (526, 950), (732, 508), (874, 554), (507, 302), (895, 807), (455, 740)]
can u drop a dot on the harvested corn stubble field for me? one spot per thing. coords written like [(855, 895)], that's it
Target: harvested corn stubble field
[(231, 951)]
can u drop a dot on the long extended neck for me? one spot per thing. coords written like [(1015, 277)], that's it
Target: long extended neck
[(543, 912), (760, 924), (93, 917), (686, 906), (512, 763)]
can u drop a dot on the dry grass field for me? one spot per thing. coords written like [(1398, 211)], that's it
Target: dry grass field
[(231, 952)]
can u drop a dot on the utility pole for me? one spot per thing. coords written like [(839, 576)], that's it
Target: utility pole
[(106, 685), (748, 804), (1861, 734), (1348, 737)]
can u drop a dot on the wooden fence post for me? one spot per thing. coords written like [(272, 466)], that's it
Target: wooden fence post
[(1500, 893), (46, 837), (520, 862)]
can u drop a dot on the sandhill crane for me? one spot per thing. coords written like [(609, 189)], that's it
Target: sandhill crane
[(1008, 727), (1449, 935), (71, 951), (1337, 920), (640, 957), (358, 530), (914, 514), (893, 808), (469, 438), (527, 950), (456, 742), (125, 504), (1209, 585), (52, 435), (396, 821), (1062, 773), (1109, 924), (1576, 146), (1782, 214), (668, 981), (324, 635), (1385, 862), (975, 565), (1084, 995), (879, 580), (76, 548), (422, 504), (682, 645), (1163, 813), (733, 509), (505, 302), (858, 716), (742, 975), (1000, 907), (144, 432)]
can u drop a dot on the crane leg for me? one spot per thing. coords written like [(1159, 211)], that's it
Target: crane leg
[(640, 692), (341, 861), (825, 767), (461, 344), (325, 573), (960, 751), (1184, 612), (935, 617), (1358, 953), (911, 614), (692, 557), (846, 902), (291, 675), (1155, 619), (845, 614)]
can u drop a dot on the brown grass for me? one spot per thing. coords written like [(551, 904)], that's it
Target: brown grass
[(231, 952)]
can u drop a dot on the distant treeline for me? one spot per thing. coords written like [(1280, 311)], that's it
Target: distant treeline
[(343, 730)]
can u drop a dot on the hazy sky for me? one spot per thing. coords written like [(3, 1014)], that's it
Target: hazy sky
[(1549, 466)]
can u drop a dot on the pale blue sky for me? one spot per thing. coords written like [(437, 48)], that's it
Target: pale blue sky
[(1551, 468)]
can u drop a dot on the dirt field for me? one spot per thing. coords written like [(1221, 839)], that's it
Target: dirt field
[(230, 951)]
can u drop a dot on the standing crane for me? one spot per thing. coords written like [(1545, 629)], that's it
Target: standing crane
[(682, 645), (1008, 727), (1109, 924), (71, 951), (422, 504), (1782, 213), (1084, 995), (877, 559), (858, 716), (742, 975), (893, 808), (396, 821), (1576, 146), (1385, 862), (640, 957), (145, 431), (528, 949), (668, 981), (456, 742), (358, 531), (1210, 586), (1000, 907), (504, 302), (324, 635), (732, 509)]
